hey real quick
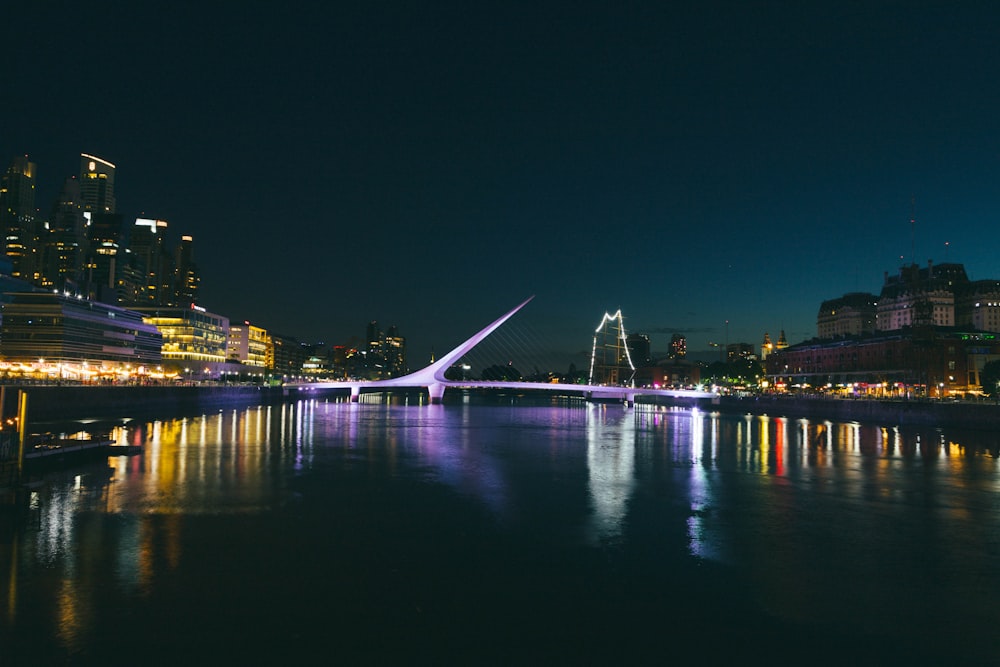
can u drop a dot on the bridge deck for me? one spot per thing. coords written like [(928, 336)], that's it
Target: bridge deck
[(433, 379)]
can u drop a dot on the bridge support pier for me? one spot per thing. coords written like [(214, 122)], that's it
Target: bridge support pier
[(355, 394), (629, 399), (436, 392)]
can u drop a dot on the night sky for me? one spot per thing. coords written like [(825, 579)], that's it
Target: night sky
[(430, 165)]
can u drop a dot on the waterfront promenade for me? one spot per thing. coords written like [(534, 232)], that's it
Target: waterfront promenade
[(59, 402)]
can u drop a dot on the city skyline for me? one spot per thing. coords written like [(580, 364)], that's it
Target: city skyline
[(717, 172)]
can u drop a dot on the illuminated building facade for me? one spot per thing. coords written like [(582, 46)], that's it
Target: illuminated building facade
[(933, 296), (317, 360), (247, 344), (934, 362), (192, 336), (48, 328), (920, 297), (17, 218)]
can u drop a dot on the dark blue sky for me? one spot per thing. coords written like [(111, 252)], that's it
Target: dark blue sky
[(430, 165)]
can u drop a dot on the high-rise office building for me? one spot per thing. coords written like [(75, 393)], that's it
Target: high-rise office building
[(394, 353), (97, 184), (106, 261), (63, 241), (186, 278), (639, 349), (678, 346), (146, 244), (384, 355), (17, 218)]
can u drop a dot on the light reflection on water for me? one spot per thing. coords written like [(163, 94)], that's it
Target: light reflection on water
[(803, 508), (611, 467)]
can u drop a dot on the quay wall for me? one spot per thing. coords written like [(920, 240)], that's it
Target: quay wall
[(48, 403), (926, 412)]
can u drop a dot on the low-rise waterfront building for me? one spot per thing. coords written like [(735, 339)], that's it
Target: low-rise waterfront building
[(668, 373), (286, 356), (194, 340), (928, 361), (74, 338), (247, 344)]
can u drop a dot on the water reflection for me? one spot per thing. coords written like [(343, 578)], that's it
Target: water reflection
[(452, 451), (786, 500), (855, 463), (610, 467), (215, 463)]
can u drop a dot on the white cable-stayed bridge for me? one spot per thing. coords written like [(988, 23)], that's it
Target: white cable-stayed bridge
[(433, 379)]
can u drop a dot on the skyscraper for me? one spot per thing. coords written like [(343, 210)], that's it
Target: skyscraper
[(107, 241), (97, 184), (639, 349), (146, 243), (106, 237), (186, 278), (678, 346), (394, 353), (63, 243), (17, 218)]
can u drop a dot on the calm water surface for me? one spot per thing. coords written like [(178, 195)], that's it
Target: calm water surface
[(478, 532)]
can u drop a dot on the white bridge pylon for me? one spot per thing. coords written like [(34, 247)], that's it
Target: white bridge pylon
[(432, 377)]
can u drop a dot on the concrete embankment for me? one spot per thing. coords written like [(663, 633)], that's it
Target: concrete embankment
[(984, 416), (47, 403)]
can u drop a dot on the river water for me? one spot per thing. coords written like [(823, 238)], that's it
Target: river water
[(505, 531)]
